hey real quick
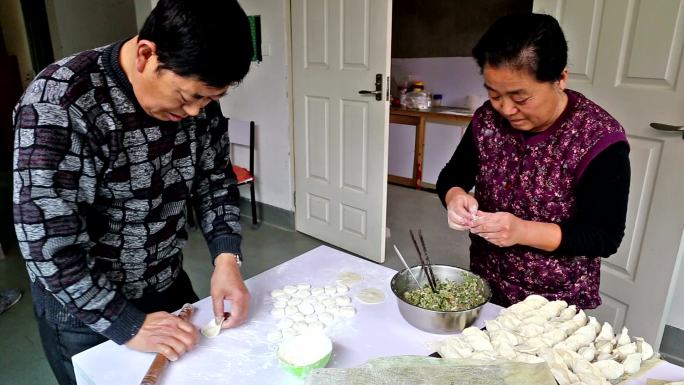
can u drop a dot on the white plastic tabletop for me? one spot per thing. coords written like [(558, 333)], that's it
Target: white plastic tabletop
[(244, 356)]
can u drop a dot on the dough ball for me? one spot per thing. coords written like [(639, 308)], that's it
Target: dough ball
[(342, 288), (302, 293), (280, 304), (294, 301), (347, 311), (330, 290), (274, 335), (297, 317), (284, 324), (371, 296), (319, 307), (303, 286), (278, 312), (326, 318), (301, 326), (311, 318), (290, 289), (278, 293), (306, 309), (329, 303), (318, 291), (342, 300), (349, 278), (289, 332), (290, 310), (316, 326)]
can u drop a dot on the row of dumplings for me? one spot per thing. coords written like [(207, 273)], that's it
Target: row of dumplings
[(577, 348)]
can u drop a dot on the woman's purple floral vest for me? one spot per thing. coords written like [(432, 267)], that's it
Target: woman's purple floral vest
[(534, 177)]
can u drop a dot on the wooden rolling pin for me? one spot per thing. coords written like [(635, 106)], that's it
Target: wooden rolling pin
[(160, 361)]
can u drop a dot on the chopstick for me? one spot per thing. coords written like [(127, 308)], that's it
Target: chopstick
[(160, 361), (396, 250), (427, 269), (427, 258)]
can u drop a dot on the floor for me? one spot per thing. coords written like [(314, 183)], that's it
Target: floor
[(22, 361)]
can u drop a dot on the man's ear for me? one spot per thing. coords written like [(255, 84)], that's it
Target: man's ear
[(145, 51)]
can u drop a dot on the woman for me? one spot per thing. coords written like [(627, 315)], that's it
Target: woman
[(550, 170)]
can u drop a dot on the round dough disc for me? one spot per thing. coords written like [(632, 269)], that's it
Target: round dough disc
[(349, 278), (371, 296)]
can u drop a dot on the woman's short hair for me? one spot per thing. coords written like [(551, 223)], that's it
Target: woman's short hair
[(526, 41), (209, 39)]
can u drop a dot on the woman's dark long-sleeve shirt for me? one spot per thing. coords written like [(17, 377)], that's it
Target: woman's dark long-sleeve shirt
[(602, 192)]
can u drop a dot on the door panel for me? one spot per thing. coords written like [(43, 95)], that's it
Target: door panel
[(626, 55), (338, 48)]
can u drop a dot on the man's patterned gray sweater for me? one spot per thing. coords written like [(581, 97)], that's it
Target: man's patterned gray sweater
[(100, 190)]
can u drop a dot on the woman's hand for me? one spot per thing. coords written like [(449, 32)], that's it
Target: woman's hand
[(501, 229), (165, 333), (461, 209), (227, 283)]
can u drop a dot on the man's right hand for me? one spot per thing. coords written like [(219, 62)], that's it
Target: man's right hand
[(461, 209), (165, 333)]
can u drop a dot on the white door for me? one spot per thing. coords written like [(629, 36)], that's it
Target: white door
[(626, 55), (340, 136)]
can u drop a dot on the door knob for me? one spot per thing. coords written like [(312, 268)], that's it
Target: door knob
[(668, 127), (378, 88)]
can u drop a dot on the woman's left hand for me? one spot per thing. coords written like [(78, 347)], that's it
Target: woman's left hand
[(501, 228)]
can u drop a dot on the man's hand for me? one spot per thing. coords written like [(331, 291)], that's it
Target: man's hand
[(165, 333), (226, 283), (461, 209)]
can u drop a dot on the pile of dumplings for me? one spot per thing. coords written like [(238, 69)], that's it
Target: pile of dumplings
[(577, 348)]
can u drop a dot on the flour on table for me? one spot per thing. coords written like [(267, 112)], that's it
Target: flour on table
[(371, 296), (349, 278)]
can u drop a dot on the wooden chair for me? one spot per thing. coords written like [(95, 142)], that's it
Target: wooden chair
[(242, 133)]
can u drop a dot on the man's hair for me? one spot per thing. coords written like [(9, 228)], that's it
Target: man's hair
[(526, 42), (209, 40)]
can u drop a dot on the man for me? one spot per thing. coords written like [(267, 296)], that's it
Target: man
[(110, 144)]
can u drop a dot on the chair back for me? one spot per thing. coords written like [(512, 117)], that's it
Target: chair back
[(241, 132)]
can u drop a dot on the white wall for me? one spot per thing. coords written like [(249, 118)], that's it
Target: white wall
[(263, 97), (77, 25)]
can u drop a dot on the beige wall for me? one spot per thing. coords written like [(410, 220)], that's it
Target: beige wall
[(16, 41)]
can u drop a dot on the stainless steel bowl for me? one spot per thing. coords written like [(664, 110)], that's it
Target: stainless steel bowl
[(433, 321)]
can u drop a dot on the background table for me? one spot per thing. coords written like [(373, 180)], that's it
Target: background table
[(243, 356)]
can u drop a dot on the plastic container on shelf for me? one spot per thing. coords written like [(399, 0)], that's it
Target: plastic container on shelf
[(437, 100)]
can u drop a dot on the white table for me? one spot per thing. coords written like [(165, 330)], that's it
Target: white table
[(243, 356)]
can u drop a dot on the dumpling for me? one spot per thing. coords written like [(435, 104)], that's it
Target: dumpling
[(520, 309), (477, 339), (624, 338), (644, 348), (509, 321), (610, 369), (492, 325), (595, 324), (604, 347), (580, 366), (606, 333), (567, 313), (535, 301), (622, 351), (504, 350), (580, 318), (553, 308), (455, 347), (632, 363), (527, 358), (535, 318), (562, 374), (531, 330), (553, 337), (503, 336), (590, 379), (587, 352)]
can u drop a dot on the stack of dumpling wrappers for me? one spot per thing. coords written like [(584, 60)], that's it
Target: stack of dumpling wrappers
[(577, 348)]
